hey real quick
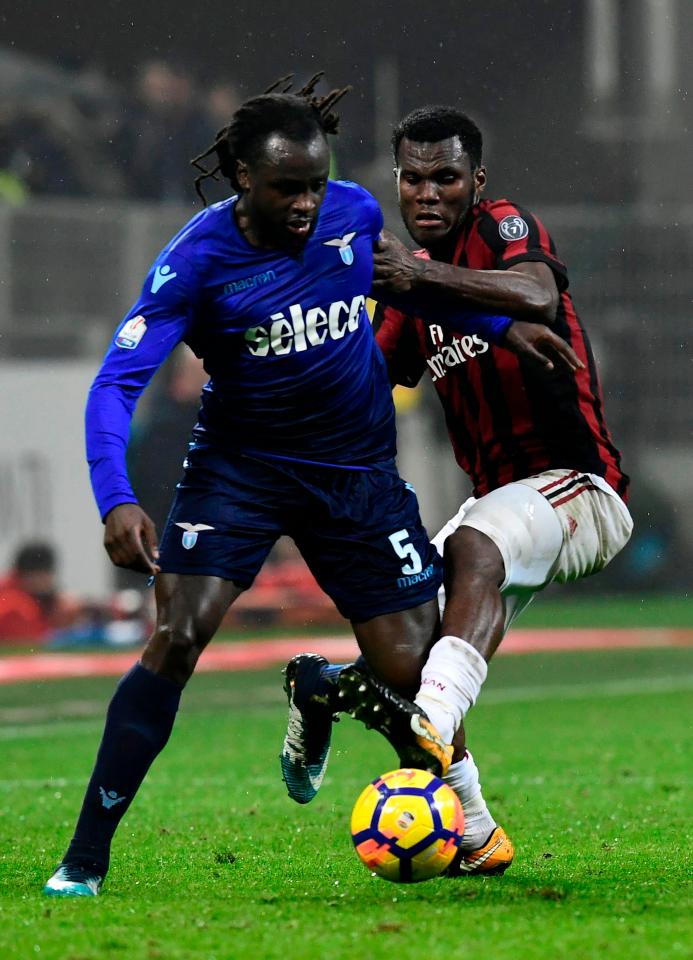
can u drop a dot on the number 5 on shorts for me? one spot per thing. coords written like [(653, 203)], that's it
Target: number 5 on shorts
[(406, 551)]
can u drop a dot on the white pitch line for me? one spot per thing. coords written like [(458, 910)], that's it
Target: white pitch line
[(580, 691), (606, 689), (71, 710), (61, 728), (165, 782), (56, 783)]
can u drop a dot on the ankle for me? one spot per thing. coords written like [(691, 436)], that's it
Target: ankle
[(96, 858)]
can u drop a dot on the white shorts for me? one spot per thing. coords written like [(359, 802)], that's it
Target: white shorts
[(558, 526)]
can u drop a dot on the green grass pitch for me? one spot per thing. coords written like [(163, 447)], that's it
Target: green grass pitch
[(583, 761)]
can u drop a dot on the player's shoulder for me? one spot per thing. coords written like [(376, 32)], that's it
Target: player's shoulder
[(206, 226), (349, 190), (350, 207), (190, 256), (499, 209), (502, 222), (352, 195)]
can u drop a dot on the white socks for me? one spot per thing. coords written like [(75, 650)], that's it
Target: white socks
[(450, 683), (463, 777)]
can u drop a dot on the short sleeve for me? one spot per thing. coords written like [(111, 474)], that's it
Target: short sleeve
[(515, 235)]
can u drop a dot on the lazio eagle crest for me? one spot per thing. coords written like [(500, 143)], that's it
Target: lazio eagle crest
[(343, 244), (191, 531)]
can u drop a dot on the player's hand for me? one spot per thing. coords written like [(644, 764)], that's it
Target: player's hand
[(538, 343), (130, 539), (395, 269)]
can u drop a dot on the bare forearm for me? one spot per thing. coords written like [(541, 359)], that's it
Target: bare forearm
[(497, 291)]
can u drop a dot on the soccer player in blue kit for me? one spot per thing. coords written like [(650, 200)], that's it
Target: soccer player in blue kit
[(296, 436)]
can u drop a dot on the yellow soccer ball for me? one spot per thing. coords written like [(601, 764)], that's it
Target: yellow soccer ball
[(407, 825)]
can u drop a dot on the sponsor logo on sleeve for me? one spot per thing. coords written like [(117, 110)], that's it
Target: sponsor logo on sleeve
[(513, 228), (162, 275), (131, 333)]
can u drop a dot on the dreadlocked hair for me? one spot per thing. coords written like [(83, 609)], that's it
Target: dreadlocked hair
[(297, 115)]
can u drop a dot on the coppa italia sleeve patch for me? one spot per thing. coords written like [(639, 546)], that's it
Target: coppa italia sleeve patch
[(513, 228), (131, 333)]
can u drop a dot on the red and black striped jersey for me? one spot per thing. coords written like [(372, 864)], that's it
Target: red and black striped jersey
[(507, 419)]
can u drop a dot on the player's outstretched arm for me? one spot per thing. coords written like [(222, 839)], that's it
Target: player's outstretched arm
[(536, 342), (528, 290), (130, 538)]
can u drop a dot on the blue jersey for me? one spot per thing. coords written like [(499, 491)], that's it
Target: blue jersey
[(294, 368), (295, 372)]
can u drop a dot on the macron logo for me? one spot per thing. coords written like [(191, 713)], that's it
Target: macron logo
[(109, 798), (162, 275)]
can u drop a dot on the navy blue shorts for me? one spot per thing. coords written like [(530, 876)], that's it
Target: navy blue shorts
[(358, 531)]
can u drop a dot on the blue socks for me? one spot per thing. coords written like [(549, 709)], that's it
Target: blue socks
[(138, 724), (331, 671), (329, 679)]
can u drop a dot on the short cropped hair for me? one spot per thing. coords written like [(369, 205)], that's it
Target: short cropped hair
[(435, 123)]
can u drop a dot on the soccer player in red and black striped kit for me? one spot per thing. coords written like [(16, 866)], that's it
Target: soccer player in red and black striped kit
[(549, 493)]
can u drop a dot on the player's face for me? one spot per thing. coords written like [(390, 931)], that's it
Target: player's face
[(282, 191), (436, 186)]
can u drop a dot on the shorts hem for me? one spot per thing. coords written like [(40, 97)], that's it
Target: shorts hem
[(490, 531), (396, 606), (181, 569)]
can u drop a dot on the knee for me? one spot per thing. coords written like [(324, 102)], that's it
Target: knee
[(396, 645), (402, 673), (472, 555), (173, 651)]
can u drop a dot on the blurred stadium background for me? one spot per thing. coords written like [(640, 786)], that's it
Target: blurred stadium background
[(587, 119)]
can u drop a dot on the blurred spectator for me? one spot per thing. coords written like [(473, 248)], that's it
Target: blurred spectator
[(223, 99), (31, 604), (45, 149), (284, 593), (164, 128), (58, 146), (12, 187), (67, 132), (125, 621)]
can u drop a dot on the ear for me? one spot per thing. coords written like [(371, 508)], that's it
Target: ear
[(395, 173), (242, 175), (479, 183)]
